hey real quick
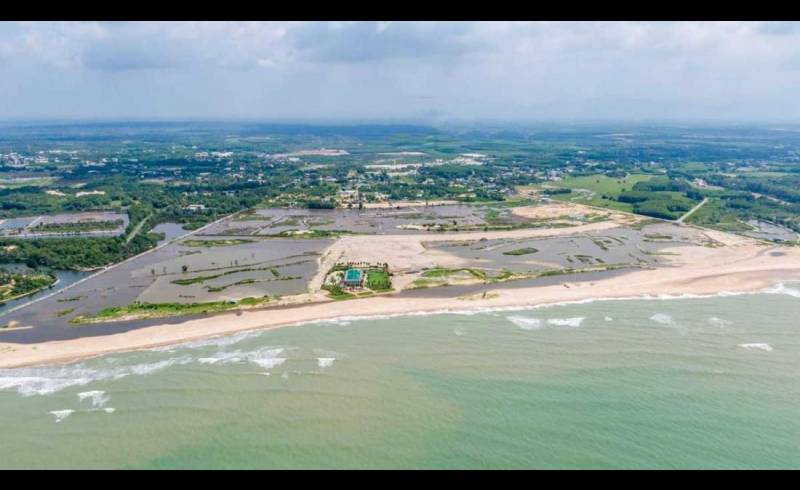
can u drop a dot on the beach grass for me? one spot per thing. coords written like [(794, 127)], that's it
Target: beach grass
[(522, 251), (137, 310), (216, 243)]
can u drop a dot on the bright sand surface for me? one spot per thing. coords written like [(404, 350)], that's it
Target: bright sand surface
[(742, 265)]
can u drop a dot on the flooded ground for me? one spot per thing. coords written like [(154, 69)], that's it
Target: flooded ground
[(211, 266), (771, 231), (170, 231), (615, 247), (274, 221), (212, 273), (197, 274), (26, 227)]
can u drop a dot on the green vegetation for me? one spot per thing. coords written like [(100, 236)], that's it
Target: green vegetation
[(64, 312), (200, 279), (216, 243), (161, 310), (76, 253), (337, 292), (73, 298), (311, 233), (18, 284), (730, 211), (444, 272), (660, 196), (522, 251), (217, 289), (597, 190), (77, 227), (378, 280), (194, 174)]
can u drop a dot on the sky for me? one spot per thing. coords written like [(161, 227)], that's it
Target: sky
[(431, 72)]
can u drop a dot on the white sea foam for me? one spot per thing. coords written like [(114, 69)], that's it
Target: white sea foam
[(567, 322), (762, 346), (98, 397), (31, 384), (662, 318), (47, 380), (348, 319), (269, 362), (781, 288), (531, 323), (335, 321), (51, 379), (719, 322), (267, 358), (61, 414), (106, 410), (218, 341), (152, 367), (324, 362), (222, 357), (525, 322)]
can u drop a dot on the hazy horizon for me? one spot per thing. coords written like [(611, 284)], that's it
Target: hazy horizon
[(401, 72)]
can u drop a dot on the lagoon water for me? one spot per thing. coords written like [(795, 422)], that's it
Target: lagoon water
[(682, 383)]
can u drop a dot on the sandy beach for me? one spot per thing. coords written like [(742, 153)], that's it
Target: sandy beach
[(742, 265)]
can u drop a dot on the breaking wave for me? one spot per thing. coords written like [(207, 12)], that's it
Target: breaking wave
[(46, 380), (50, 379), (662, 318), (98, 397), (567, 322), (531, 323), (324, 362), (526, 323), (758, 345), (719, 322), (61, 414)]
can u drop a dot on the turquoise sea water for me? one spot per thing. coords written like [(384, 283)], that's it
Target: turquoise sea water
[(689, 383)]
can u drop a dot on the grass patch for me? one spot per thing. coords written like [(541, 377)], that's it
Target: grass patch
[(216, 243), (598, 190), (137, 310), (201, 279), (444, 272), (522, 251), (336, 292), (310, 234), (73, 298), (67, 311), (378, 280)]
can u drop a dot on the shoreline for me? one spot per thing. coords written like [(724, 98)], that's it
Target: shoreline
[(643, 284)]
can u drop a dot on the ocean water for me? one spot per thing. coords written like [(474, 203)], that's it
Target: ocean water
[(680, 383)]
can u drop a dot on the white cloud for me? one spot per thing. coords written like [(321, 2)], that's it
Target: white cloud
[(274, 70)]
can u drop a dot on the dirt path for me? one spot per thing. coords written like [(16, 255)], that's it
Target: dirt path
[(137, 228), (691, 211)]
